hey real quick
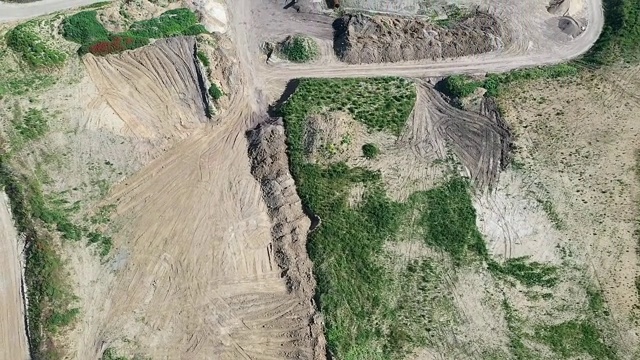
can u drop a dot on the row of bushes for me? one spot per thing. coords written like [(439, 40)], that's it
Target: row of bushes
[(461, 86), (85, 29)]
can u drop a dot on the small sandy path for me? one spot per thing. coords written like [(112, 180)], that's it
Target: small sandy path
[(13, 336)]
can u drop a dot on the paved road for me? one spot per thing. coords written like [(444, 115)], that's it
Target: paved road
[(13, 12)]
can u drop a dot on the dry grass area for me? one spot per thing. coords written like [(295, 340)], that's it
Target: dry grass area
[(578, 142)]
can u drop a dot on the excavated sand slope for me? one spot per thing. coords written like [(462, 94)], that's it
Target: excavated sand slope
[(374, 39), (13, 337), (156, 91)]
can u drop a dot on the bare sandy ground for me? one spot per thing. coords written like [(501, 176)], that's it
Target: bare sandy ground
[(13, 335)]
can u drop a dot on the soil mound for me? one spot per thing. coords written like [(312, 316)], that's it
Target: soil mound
[(270, 166), (158, 91), (373, 39)]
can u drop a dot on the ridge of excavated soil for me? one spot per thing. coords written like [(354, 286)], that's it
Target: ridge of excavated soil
[(373, 39), (269, 165)]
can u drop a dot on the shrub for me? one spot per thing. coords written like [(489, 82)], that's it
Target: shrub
[(460, 86), (84, 28), (215, 92), (35, 51), (370, 151), (203, 58), (299, 49), (115, 45)]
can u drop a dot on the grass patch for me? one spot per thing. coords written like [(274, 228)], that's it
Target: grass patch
[(575, 337), (461, 86), (14, 83), (85, 29), (30, 126), (620, 37), (528, 274), (299, 49), (450, 221), (370, 151), (24, 39), (369, 313)]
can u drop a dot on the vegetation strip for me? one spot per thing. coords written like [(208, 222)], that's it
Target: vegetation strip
[(85, 29)]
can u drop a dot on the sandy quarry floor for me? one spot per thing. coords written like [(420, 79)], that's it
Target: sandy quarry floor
[(13, 336), (196, 272)]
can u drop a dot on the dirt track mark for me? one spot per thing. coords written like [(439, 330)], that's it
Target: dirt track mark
[(481, 142), (155, 90), (13, 339)]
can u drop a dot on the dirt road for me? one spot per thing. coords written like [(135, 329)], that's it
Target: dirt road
[(247, 16), (13, 339), (14, 12)]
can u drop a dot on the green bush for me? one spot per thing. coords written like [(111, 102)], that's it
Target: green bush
[(84, 28), (370, 151), (215, 92), (203, 58), (460, 86), (35, 51), (299, 49)]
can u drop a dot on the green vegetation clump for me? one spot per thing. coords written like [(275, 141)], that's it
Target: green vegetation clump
[(370, 151), (366, 317), (299, 49), (620, 37), (203, 58), (24, 39), (85, 29), (529, 274), (215, 92), (461, 86), (32, 126), (48, 292), (174, 22), (575, 337)]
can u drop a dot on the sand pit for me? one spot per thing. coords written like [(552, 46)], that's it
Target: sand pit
[(157, 91), (198, 262), (374, 39), (13, 336)]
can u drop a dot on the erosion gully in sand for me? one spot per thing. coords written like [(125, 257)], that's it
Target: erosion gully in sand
[(211, 259)]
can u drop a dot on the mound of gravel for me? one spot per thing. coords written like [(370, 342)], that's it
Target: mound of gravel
[(374, 39)]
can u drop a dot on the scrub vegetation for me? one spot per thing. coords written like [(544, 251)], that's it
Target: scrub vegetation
[(85, 29)]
